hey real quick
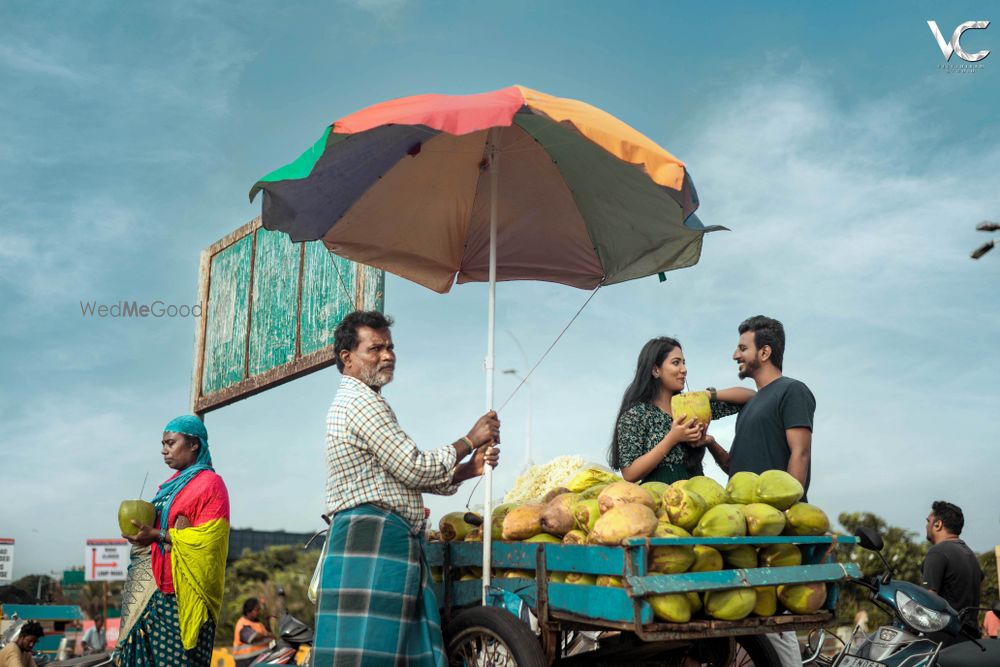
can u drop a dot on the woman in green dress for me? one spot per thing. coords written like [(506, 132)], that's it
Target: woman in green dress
[(649, 445)]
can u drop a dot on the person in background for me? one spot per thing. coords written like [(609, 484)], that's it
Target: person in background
[(18, 652), (95, 639), (991, 625), (249, 629), (951, 569), (649, 444)]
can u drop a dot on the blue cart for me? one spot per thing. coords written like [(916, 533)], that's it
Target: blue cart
[(614, 625)]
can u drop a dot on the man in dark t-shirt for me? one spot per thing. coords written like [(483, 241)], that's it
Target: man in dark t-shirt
[(774, 429), (951, 568)]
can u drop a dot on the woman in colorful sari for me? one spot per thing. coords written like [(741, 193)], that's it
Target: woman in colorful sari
[(649, 445), (172, 623)]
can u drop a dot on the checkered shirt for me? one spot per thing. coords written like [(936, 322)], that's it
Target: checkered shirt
[(371, 460)]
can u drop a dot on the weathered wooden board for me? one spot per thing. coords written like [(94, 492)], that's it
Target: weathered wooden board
[(271, 307)]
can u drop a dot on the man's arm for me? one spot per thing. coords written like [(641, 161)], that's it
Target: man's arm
[(398, 455), (800, 452)]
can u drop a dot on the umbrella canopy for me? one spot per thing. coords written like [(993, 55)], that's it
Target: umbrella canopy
[(583, 199), (508, 185)]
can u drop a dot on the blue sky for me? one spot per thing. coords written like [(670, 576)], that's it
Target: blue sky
[(850, 168)]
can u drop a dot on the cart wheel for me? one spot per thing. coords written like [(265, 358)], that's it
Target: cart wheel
[(754, 651), (491, 637)]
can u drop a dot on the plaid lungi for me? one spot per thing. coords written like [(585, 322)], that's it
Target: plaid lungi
[(375, 605)]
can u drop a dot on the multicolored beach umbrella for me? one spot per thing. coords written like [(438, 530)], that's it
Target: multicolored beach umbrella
[(508, 185), (583, 199)]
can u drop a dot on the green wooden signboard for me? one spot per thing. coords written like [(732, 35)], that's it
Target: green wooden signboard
[(268, 311)]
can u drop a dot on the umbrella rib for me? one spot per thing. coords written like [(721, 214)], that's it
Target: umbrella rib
[(546, 353), (350, 297)]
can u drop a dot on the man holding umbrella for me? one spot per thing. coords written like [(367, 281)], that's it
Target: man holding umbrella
[(375, 603)]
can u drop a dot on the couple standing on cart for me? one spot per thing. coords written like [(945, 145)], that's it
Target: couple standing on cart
[(773, 424), (375, 603)]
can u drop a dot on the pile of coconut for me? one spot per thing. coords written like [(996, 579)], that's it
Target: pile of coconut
[(598, 508)]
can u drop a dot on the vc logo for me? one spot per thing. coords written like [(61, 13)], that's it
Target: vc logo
[(955, 46)]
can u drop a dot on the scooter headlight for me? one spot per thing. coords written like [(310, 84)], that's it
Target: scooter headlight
[(918, 616)]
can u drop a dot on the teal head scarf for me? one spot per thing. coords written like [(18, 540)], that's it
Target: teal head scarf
[(164, 498)]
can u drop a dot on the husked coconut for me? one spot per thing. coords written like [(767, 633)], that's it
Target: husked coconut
[(557, 517), (522, 522), (624, 493), (622, 522)]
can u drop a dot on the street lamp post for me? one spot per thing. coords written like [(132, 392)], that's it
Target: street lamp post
[(527, 437)]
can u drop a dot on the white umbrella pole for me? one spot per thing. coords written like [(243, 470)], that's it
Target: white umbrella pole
[(490, 356)]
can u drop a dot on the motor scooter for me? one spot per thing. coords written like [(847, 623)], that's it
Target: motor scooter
[(925, 630), (292, 634)]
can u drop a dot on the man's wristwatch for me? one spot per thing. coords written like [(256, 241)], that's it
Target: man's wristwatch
[(712, 394)]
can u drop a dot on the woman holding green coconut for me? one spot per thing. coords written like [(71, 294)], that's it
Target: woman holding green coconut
[(173, 595), (649, 444)]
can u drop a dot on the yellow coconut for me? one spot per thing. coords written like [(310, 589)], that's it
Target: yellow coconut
[(724, 520), (763, 519), (803, 598), (608, 581), (586, 513), (706, 559), (671, 559), (590, 477), (453, 527), (518, 574), (730, 605), (580, 579), (557, 517), (593, 491), (684, 507), (656, 488), (693, 404), (624, 493), (767, 601), (436, 575), (498, 514), (742, 487), (475, 535), (806, 519), (557, 577), (778, 489), (544, 538), (621, 522), (522, 522), (575, 537), (695, 600), (666, 529), (779, 555), (137, 509), (740, 557), (671, 607), (711, 491)]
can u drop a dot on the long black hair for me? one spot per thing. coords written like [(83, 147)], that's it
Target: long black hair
[(643, 389)]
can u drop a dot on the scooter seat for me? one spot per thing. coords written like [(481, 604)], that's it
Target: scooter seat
[(968, 654)]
